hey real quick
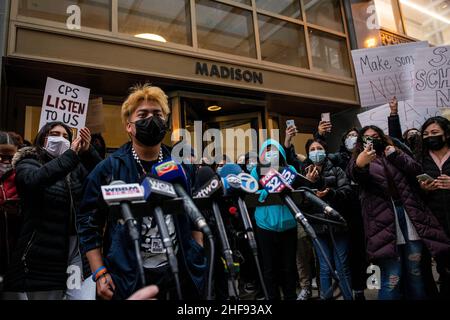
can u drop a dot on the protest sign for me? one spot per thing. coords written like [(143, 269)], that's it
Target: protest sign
[(432, 85), (385, 72), (410, 116), (64, 102)]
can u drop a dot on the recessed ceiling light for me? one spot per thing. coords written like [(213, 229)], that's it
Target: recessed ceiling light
[(151, 36), (214, 108)]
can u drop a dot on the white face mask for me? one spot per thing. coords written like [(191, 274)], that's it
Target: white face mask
[(56, 146), (350, 143)]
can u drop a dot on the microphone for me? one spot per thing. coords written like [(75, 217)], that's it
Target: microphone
[(158, 190), (327, 209), (291, 177), (210, 188), (273, 182), (122, 194), (170, 171)]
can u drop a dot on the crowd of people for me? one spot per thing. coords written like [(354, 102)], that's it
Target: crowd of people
[(392, 189)]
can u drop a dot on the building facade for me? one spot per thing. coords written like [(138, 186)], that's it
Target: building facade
[(229, 63)]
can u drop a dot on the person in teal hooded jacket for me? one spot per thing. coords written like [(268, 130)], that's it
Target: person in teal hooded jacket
[(276, 231)]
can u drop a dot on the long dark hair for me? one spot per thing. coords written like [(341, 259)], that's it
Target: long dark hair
[(360, 143), (43, 133), (442, 122)]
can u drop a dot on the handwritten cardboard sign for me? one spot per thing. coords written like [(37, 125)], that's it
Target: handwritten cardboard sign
[(432, 78), (64, 102), (385, 72), (410, 116)]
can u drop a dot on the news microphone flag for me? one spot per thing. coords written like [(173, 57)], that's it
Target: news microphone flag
[(170, 171), (273, 182), (118, 191)]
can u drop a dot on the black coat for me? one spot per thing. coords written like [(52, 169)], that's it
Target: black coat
[(50, 191), (438, 201), (334, 178)]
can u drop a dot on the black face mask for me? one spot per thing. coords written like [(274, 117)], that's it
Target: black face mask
[(150, 131), (378, 146), (434, 143)]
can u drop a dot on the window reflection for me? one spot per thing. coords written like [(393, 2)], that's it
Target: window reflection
[(282, 42), (289, 8), (225, 28), (329, 53), (325, 13), (163, 21)]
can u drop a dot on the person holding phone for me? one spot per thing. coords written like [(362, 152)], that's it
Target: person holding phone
[(436, 164), (334, 188), (398, 224)]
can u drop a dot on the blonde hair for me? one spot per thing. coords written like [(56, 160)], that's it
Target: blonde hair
[(145, 92)]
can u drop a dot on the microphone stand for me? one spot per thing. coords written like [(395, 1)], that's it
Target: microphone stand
[(168, 245), (189, 207), (134, 235), (299, 216), (252, 242), (227, 253)]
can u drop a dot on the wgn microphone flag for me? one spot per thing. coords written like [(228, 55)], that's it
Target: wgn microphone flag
[(170, 171)]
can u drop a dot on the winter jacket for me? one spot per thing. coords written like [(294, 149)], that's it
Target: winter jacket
[(439, 200), (378, 210), (334, 178), (118, 250), (50, 190), (10, 218)]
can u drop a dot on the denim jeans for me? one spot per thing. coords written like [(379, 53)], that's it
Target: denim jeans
[(406, 268), (405, 271), (338, 257)]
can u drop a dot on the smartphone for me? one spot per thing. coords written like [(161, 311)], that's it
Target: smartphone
[(424, 177), (326, 117), (367, 141), (290, 123)]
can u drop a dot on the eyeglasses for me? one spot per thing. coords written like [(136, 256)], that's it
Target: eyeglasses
[(5, 159)]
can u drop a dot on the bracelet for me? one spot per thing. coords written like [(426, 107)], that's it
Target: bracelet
[(104, 274), (96, 273)]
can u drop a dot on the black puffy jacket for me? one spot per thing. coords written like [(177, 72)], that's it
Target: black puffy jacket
[(439, 200), (50, 190), (334, 178)]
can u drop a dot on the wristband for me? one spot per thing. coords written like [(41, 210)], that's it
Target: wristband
[(96, 273)]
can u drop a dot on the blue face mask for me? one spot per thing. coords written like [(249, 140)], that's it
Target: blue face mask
[(317, 156), (219, 169)]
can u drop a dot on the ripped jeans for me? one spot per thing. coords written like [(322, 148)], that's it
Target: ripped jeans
[(403, 274), (403, 271)]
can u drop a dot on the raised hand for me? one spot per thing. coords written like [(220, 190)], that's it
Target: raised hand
[(290, 133), (366, 157), (393, 105), (324, 127), (76, 145), (85, 135)]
